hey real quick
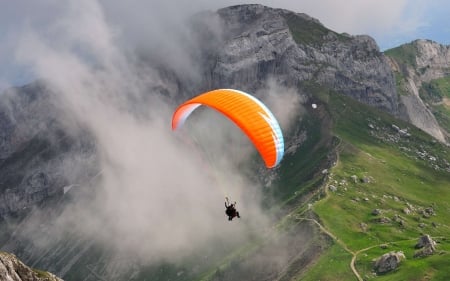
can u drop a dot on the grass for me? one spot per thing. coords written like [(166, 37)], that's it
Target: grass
[(309, 32), (333, 265), (404, 54), (398, 179), (412, 268)]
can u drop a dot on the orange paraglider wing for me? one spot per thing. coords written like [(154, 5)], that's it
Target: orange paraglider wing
[(247, 112)]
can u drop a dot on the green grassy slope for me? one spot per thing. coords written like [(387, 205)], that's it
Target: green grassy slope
[(404, 176)]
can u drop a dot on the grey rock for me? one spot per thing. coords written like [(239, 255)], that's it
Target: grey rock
[(34, 151), (432, 61), (426, 241), (260, 42), (426, 245), (12, 269), (363, 226), (332, 188), (382, 220), (388, 262), (376, 212)]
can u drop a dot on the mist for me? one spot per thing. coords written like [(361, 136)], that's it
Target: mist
[(159, 194)]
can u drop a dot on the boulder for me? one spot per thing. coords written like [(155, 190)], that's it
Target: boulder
[(388, 262), (426, 241), (376, 212), (426, 246)]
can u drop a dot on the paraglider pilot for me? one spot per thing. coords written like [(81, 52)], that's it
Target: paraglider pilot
[(231, 210)]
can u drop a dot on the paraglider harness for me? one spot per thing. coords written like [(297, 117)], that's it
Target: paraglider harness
[(231, 209)]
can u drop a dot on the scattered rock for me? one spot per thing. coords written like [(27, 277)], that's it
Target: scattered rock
[(428, 212), (332, 188), (363, 226), (382, 220), (366, 180), (406, 210), (422, 225), (376, 212), (388, 262), (354, 178), (397, 218)]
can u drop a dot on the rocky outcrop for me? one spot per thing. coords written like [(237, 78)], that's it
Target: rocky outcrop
[(12, 269), (259, 42), (432, 60), (426, 246)]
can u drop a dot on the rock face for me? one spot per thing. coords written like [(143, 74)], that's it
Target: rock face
[(416, 63), (258, 43), (33, 149), (253, 45), (388, 262), (433, 60), (12, 269)]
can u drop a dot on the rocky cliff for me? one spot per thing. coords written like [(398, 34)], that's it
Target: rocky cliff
[(12, 269), (245, 47), (258, 43), (250, 45), (414, 64), (33, 149)]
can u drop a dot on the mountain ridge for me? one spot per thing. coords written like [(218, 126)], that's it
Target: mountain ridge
[(257, 44)]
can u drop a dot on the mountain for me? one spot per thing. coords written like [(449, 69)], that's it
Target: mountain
[(363, 148), (422, 69), (259, 43), (13, 269)]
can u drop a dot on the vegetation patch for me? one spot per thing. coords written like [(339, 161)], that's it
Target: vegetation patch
[(309, 32), (383, 185), (404, 54)]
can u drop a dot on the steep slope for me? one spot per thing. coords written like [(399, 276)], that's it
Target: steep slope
[(389, 187), (258, 43), (34, 141), (256, 46), (416, 65)]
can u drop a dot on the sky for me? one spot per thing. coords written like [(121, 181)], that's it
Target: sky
[(391, 23)]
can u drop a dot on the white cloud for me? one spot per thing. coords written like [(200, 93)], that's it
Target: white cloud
[(151, 184), (158, 198), (157, 24)]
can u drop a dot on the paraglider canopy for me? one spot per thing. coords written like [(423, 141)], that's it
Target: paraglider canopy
[(247, 112)]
